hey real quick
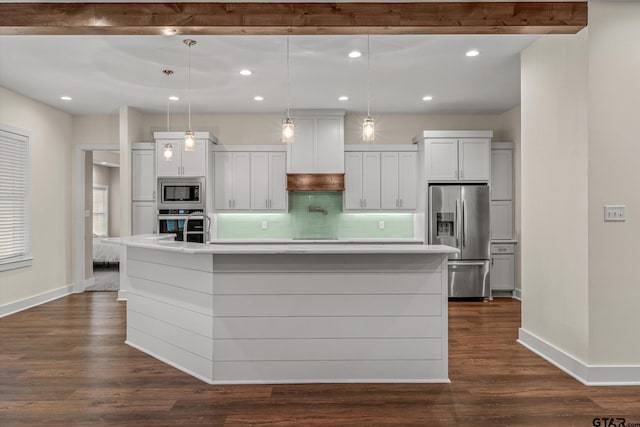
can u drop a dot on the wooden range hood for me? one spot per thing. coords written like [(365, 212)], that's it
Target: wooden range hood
[(315, 182)]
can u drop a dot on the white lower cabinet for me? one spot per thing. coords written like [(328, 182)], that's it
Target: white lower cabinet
[(503, 266), (143, 218)]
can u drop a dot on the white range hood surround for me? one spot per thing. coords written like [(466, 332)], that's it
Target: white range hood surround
[(317, 153)]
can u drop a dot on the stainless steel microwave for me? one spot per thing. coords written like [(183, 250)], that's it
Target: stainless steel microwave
[(181, 193)]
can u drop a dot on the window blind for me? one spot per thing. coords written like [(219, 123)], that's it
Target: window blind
[(14, 196), (100, 211)]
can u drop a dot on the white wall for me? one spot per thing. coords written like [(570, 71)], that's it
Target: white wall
[(246, 129), (51, 161), (614, 178), (95, 130), (554, 191), (130, 131)]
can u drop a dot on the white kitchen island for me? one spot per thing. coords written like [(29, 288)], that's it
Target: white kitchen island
[(290, 313)]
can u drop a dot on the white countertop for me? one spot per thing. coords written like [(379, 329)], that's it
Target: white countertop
[(307, 247), (339, 241)]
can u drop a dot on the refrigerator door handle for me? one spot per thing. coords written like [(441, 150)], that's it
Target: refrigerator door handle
[(464, 224), (476, 263), (457, 222)]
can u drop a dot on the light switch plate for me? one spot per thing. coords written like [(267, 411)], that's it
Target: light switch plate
[(264, 225), (381, 225), (614, 212)]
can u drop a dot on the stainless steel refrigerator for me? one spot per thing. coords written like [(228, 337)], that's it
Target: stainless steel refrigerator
[(459, 217)]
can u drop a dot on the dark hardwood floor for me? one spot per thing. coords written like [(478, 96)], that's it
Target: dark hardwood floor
[(65, 363)]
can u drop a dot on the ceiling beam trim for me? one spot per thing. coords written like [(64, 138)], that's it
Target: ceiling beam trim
[(293, 18)]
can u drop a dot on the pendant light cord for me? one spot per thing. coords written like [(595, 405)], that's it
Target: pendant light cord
[(288, 78), (368, 78), (189, 87), (168, 103)]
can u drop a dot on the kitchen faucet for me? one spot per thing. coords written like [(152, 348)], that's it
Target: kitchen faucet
[(206, 224), (312, 209)]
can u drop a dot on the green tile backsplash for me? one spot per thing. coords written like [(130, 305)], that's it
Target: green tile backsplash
[(314, 214)]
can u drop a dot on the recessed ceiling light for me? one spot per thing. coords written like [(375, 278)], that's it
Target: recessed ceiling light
[(343, 98), (174, 98), (258, 98), (169, 31), (245, 72), (427, 98), (65, 98), (355, 54), (473, 52)]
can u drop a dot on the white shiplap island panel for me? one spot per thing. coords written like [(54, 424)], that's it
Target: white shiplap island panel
[(291, 315)]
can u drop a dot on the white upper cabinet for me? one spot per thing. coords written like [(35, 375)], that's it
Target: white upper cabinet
[(181, 163), (456, 159), (501, 174), (474, 157), (143, 175), (442, 159), (268, 181), (232, 180), (318, 145), (362, 180), (399, 180)]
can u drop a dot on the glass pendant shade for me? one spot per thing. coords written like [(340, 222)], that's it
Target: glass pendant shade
[(189, 141), (368, 129), (168, 152), (287, 130)]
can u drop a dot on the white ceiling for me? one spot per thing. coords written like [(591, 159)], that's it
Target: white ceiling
[(102, 73)]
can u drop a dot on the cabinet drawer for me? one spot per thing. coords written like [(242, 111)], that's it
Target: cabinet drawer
[(502, 248)]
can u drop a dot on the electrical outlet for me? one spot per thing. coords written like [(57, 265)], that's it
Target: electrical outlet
[(381, 225), (614, 212), (264, 225)]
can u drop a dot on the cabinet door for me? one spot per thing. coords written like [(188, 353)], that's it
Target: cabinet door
[(474, 159), (442, 159), (501, 174), (173, 165), (408, 180), (143, 175), (241, 181), (301, 153), (371, 180), (277, 181), (223, 180), (260, 180), (329, 145), (389, 181), (501, 220), (143, 218), (194, 162), (502, 272), (353, 180)]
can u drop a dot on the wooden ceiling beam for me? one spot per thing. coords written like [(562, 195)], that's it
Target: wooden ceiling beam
[(294, 18)]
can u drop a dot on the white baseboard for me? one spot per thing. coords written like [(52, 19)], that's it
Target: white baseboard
[(591, 375), (122, 295), (517, 294), (23, 304)]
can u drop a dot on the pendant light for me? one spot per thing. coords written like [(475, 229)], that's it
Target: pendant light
[(189, 136), (368, 126), (167, 153), (287, 123)]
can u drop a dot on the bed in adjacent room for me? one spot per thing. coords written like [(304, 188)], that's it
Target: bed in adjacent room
[(104, 252)]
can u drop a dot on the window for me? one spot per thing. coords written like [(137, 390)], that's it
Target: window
[(100, 210), (15, 239)]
